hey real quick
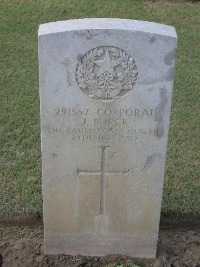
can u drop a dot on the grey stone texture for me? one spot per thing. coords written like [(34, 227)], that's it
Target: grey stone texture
[(105, 94)]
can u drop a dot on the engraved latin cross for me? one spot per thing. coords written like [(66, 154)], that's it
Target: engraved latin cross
[(102, 174)]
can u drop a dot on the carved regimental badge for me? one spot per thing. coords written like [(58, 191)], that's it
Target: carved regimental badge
[(106, 73)]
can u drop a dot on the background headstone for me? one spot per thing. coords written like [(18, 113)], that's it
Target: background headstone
[(105, 90)]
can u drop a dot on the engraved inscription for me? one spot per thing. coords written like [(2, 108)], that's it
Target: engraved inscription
[(103, 134), (129, 112), (106, 73), (71, 111), (103, 124), (102, 174)]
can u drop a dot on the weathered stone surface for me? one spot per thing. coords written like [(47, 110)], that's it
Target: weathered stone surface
[(106, 89)]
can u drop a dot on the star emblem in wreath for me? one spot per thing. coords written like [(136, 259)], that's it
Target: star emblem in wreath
[(106, 73)]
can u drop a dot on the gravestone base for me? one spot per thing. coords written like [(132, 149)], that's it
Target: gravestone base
[(86, 245)]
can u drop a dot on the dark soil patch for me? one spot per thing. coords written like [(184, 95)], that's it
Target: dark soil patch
[(22, 246)]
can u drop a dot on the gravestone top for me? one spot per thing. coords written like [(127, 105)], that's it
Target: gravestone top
[(105, 23), (105, 98)]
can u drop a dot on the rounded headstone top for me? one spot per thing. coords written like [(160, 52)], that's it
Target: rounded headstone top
[(107, 23)]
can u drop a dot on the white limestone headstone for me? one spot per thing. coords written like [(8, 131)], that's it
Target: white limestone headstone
[(105, 91)]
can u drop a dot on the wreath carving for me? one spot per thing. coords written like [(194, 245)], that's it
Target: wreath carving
[(106, 73)]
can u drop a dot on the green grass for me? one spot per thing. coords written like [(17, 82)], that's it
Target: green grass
[(20, 162)]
